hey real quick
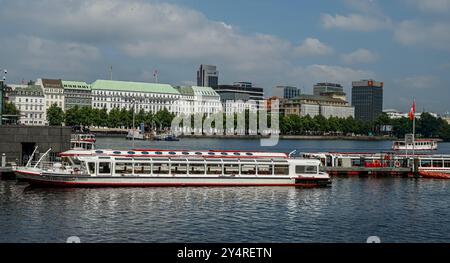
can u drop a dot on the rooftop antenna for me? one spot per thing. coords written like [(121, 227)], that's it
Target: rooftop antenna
[(110, 72)]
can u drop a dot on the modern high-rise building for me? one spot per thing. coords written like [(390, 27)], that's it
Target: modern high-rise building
[(286, 92), (321, 88), (238, 91), (207, 76), (332, 90), (367, 98)]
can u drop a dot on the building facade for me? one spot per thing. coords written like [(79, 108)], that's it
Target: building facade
[(53, 92), (76, 93), (320, 89), (311, 105), (241, 92), (195, 99), (207, 76), (30, 101), (150, 97), (367, 98), (286, 92)]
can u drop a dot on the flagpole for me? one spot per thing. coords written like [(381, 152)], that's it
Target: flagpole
[(414, 127)]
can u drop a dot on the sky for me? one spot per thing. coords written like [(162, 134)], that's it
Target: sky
[(404, 43)]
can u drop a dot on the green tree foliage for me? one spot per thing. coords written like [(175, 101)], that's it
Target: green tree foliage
[(55, 115), (11, 109)]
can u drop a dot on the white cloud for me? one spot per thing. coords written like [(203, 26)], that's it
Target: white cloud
[(359, 56), (312, 47), (355, 22), (39, 53), (420, 82), (432, 6), (317, 73), (411, 32)]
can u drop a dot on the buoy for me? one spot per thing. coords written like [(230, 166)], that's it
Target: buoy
[(397, 164)]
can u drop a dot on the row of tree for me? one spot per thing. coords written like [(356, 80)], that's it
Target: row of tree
[(116, 118), (426, 126)]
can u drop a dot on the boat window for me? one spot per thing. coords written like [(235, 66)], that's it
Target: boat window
[(196, 168), (249, 154), (117, 152), (437, 163), (248, 169), (91, 167), (99, 152), (281, 169), (224, 153), (211, 153), (305, 169), (425, 163), (237, 153), (185, 153), (172, 153), (142, 168), (131, 152), (160, 168), (265, 169), (198, 153), (214, 168), (145, 153), (231, 169), (104, 168), (446, 163), (158, 152), (124, 168), (179, 168), (89, 147)]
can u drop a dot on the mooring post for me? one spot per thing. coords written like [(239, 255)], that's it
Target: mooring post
[(3, 160)]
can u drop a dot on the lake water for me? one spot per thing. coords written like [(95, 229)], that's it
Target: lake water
[(394, 209)]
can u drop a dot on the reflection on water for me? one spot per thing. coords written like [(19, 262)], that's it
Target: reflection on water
[(396, 210)]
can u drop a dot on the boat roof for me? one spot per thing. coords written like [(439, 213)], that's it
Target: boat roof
[(176, 153)]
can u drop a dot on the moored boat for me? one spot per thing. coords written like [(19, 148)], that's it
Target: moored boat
[(142, 168), (417, 145)]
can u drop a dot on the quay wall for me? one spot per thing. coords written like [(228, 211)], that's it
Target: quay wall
[(16, 141)]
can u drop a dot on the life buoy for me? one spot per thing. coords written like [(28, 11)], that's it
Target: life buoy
[(397, 164)]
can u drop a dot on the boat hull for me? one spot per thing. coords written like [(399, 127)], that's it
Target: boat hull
[(165, 181)]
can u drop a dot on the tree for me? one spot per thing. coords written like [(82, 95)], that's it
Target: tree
[(55, 115), (72, 116), (11, 109)]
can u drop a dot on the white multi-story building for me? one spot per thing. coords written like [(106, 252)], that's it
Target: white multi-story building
[(312, 105), (53, 92), (195, 99), (150, 97), (30, 101), (337, 111)]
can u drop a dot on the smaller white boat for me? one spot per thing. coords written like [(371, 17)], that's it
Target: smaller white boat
[(137, 134), (418, 145)]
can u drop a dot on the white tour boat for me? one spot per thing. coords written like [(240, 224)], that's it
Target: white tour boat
[(419, 145), (140, 168)]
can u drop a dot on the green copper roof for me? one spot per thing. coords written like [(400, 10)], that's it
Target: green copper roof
[(196, 90), (133, 86), (75, 85)]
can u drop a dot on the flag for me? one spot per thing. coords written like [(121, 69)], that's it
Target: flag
[(413, 111)]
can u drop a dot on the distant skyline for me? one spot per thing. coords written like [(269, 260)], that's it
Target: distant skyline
[(403, 43)]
